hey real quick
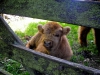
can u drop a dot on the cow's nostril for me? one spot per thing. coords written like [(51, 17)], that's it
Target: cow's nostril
[(48, 43)]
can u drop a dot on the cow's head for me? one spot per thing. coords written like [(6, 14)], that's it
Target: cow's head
[(51, 34)]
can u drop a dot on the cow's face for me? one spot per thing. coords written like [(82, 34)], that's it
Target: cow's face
[(51, 34)]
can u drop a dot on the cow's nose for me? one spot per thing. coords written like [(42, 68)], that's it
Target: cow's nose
[(48, 43)]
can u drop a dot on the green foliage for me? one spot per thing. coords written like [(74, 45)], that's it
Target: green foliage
[(14, 67), (20, 34), (31, 29)]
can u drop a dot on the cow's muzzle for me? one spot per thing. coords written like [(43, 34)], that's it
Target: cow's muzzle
[(48, 44)]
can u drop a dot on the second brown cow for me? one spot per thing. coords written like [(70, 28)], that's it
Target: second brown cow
[(51, 39)]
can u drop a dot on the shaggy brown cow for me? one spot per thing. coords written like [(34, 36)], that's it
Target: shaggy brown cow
[(51, 39)]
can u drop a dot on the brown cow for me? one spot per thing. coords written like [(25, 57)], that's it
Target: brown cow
[(51, 39), (82, 36)]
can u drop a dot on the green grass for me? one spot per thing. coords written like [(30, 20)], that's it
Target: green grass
[(78, 56), (15, 68)]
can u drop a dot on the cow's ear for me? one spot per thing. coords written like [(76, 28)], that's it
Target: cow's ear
[(66, 30), (40, 28)]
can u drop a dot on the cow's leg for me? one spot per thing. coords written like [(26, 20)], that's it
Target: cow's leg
[(97, 38), (82, 35)]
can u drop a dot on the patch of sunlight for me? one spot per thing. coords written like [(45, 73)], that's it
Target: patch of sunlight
[(19, 22)]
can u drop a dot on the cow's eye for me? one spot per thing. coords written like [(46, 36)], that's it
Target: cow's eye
[(56, 35)]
